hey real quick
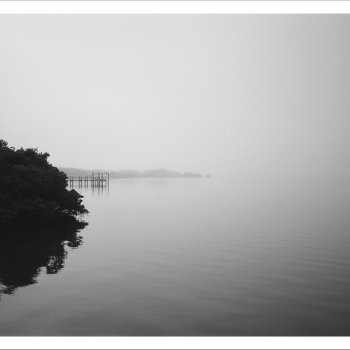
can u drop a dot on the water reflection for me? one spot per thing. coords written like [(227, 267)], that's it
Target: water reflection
[(25, 252), (96, 189)]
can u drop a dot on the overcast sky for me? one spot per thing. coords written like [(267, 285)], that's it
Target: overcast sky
[(238, 95)]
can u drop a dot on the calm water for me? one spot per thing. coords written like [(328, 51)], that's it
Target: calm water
[(189, 257)]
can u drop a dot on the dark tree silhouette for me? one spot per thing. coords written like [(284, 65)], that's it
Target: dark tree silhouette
[(32, 191)]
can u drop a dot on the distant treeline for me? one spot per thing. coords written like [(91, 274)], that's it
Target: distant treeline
[(160, 173)]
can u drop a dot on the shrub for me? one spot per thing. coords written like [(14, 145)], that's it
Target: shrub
[(32, 191)]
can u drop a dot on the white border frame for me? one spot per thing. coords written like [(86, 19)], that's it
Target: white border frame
[(175, 7), (179, 7)]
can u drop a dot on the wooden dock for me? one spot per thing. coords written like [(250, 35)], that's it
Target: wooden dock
[(95, 180)]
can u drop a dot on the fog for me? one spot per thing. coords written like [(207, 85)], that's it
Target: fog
[(261, 96)]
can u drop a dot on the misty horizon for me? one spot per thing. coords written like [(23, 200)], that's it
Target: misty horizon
[(160, 172), (244, 96)]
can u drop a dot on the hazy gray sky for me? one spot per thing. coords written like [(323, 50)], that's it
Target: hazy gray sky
[(244, 95)]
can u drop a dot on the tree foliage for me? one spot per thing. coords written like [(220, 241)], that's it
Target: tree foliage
[(32, 191)]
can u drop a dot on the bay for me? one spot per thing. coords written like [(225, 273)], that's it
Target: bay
[(196, 257)]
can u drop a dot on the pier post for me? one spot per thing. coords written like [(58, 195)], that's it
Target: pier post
[(97, 179)]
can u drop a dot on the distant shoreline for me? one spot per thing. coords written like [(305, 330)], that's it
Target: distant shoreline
[(153, 173)]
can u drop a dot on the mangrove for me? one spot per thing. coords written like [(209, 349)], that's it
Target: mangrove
[(33, 191)]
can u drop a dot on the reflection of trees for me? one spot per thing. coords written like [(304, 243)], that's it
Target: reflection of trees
[(23, 252)]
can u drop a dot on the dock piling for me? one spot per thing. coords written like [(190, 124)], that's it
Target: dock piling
[(99, 180)]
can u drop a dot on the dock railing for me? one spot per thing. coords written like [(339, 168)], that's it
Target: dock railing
[(95, 180)]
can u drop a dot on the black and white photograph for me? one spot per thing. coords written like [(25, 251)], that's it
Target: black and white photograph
[(175, 175)]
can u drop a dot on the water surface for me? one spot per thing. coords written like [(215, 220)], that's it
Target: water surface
[(193, 257)]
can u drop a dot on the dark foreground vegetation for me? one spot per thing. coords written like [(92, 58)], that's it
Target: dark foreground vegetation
[(32, 191), (127, 173)]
